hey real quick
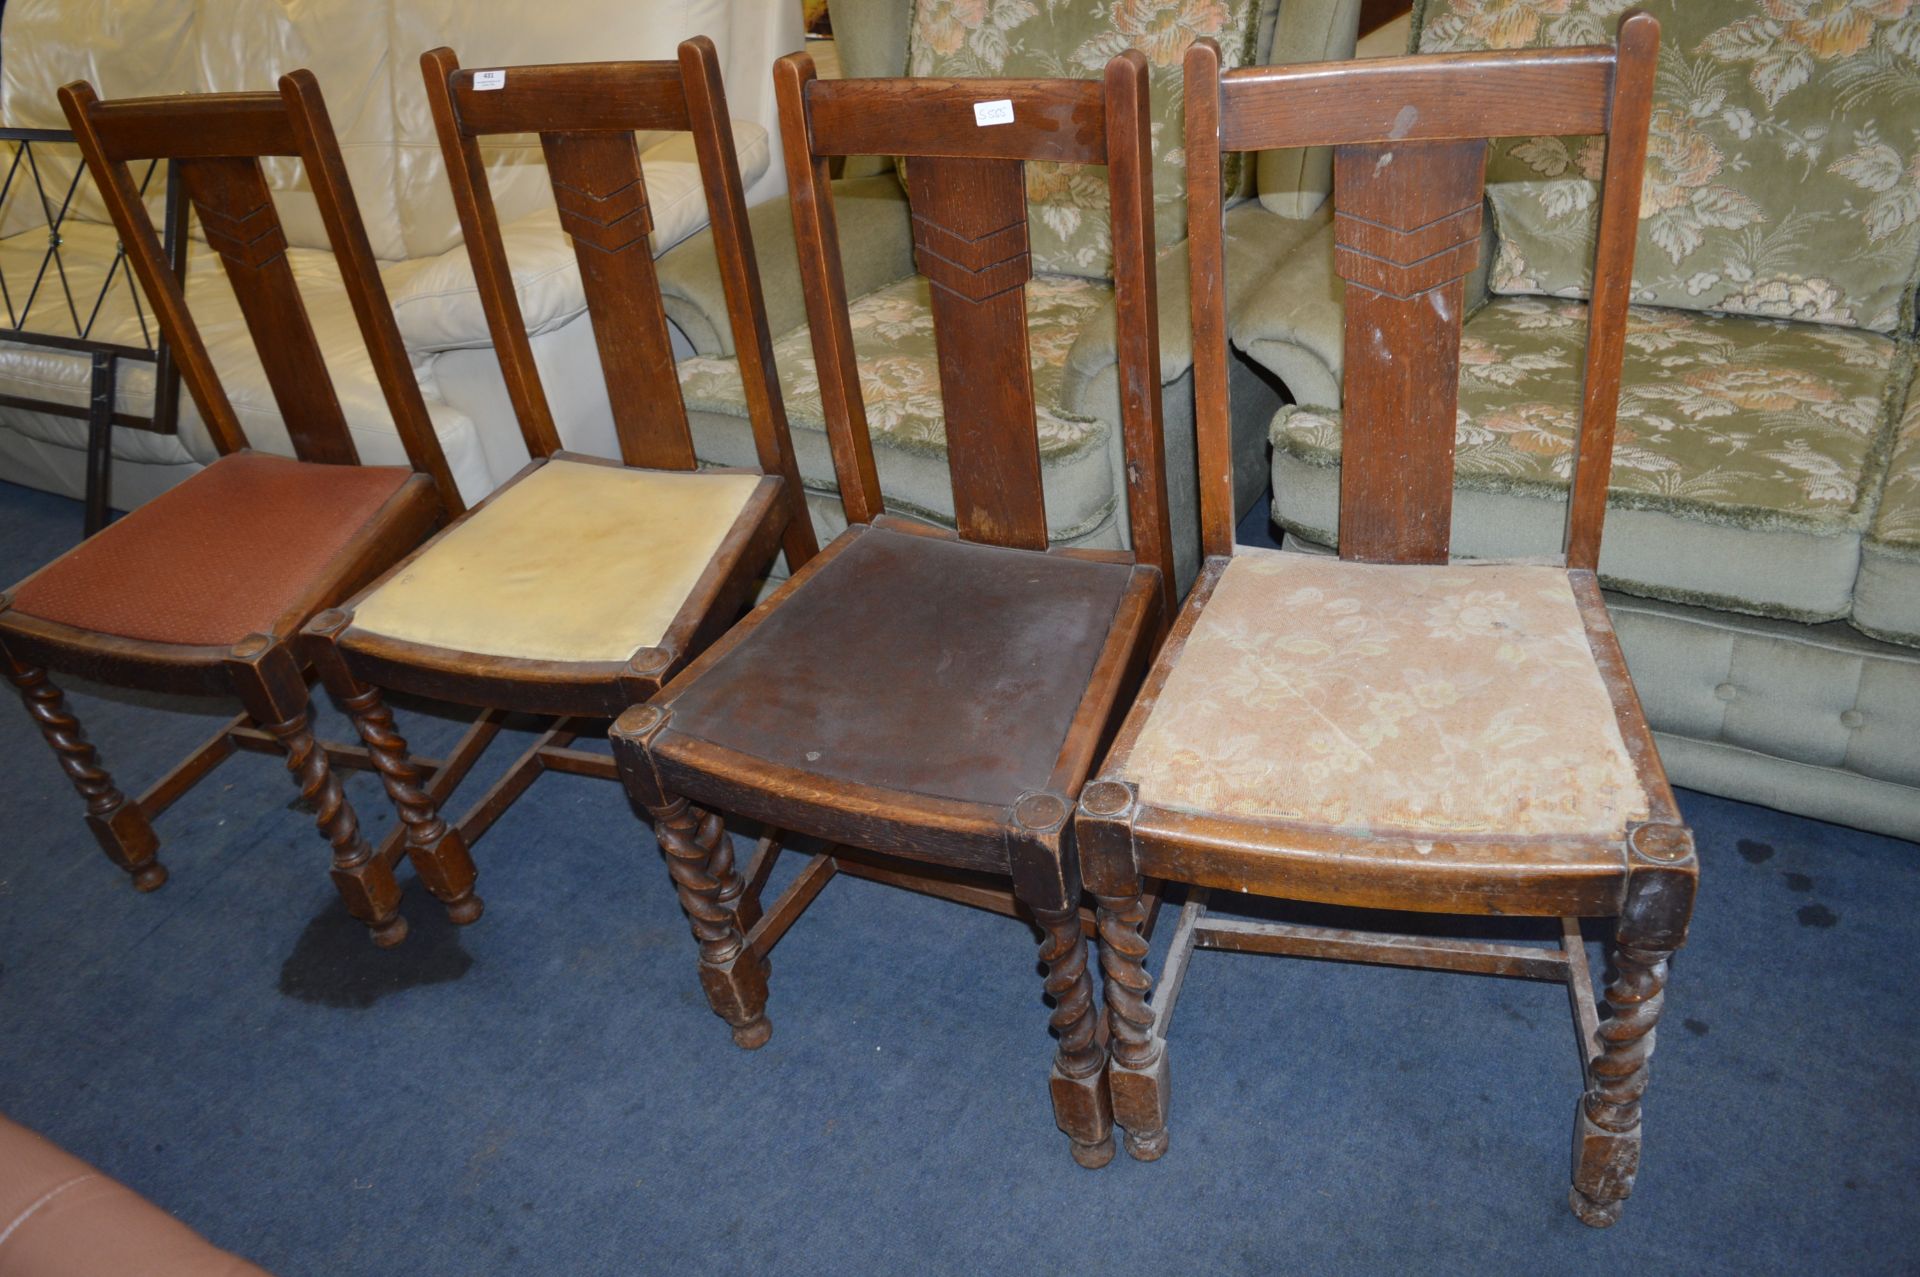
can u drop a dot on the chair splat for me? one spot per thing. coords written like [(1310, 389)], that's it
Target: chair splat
[(1406, 235)]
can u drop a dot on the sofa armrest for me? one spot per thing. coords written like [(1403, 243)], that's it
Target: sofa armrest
[(437, 304), (1296, 181), (876, 240), (1257, 243), (1294, 324)]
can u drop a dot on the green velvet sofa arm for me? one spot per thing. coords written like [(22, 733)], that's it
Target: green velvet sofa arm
[(876, 240), (1257, 243)]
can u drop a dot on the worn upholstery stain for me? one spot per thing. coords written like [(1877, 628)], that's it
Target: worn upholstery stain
[(1797, 882), (1698, 1028), (334, 964), (1755, 852), (1817, 916)]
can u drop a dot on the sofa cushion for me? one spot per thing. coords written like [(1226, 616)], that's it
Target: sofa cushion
[(60, 376), (900, 381), (1886, 599), (437, 304), (1783, 173), (221, 556), (1424, 701), (1067, 220), (572, 562), (1745, 459)]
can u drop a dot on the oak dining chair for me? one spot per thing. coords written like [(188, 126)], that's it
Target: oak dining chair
[(928, 701), (583, 583), (1389, 730), (201, 590)]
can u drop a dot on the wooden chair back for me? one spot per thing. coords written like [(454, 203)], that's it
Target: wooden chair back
[(966, 143), (217, 140), (1409, 176), (586, 115)]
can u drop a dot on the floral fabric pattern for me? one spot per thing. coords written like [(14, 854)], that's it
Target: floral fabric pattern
[(1425, 701), (1075, 39), (1721, 419), (1783, 166), (1897, 524), (893, 343)]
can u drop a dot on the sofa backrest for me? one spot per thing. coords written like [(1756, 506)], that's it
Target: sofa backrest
[(879, 38), (366, 56), (1783, 170)]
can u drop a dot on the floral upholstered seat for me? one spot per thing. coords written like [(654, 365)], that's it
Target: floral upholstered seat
[(1423, 701)]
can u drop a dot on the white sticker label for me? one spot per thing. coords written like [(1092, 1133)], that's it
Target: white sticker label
[(489, 79), (997, 112)]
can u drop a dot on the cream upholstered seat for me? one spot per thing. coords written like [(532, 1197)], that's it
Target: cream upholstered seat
[(1425, 701), (573, 562)]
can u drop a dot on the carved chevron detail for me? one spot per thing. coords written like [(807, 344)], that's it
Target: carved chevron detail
[(252, 239), (974, 266)]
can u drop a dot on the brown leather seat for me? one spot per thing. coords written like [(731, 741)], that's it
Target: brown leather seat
[(59, 1215), (971, 662), (215, 559)]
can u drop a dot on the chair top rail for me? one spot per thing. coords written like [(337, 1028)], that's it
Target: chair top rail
[(204, 127), (1417, 99), (600, 97), (1062, 121)]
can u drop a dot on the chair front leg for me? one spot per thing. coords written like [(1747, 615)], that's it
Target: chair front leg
[(438, 851), (1081, 1107), (1662, 877), (1046, 878), (1606, 1141), (267, 679), (700, 860), (118, 824), (1137, 1064)]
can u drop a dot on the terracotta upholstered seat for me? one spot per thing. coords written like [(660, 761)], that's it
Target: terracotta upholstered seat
[(963, 720), (1416, 700), (217, 558), (572, 562)]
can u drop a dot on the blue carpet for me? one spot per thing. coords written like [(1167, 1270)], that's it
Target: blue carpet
[(546, 1091)]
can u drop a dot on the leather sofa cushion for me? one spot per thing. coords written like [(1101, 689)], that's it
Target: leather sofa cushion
[(60, 1216), (437, 305), (1425, 701), (216, 558), (1746, 458), (571, 562)]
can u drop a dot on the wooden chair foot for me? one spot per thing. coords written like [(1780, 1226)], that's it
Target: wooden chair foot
[(372, 895), (1140, 1102), (446, 868), (1595, 1214), (1093, 1156), (389, 933), (754, 1034), (1082, 1110)]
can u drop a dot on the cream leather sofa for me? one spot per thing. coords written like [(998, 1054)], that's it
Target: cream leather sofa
[(365, 53)]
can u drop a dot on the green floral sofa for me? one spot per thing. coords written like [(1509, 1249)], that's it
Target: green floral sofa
[(1070, 301), (1763, 535)]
